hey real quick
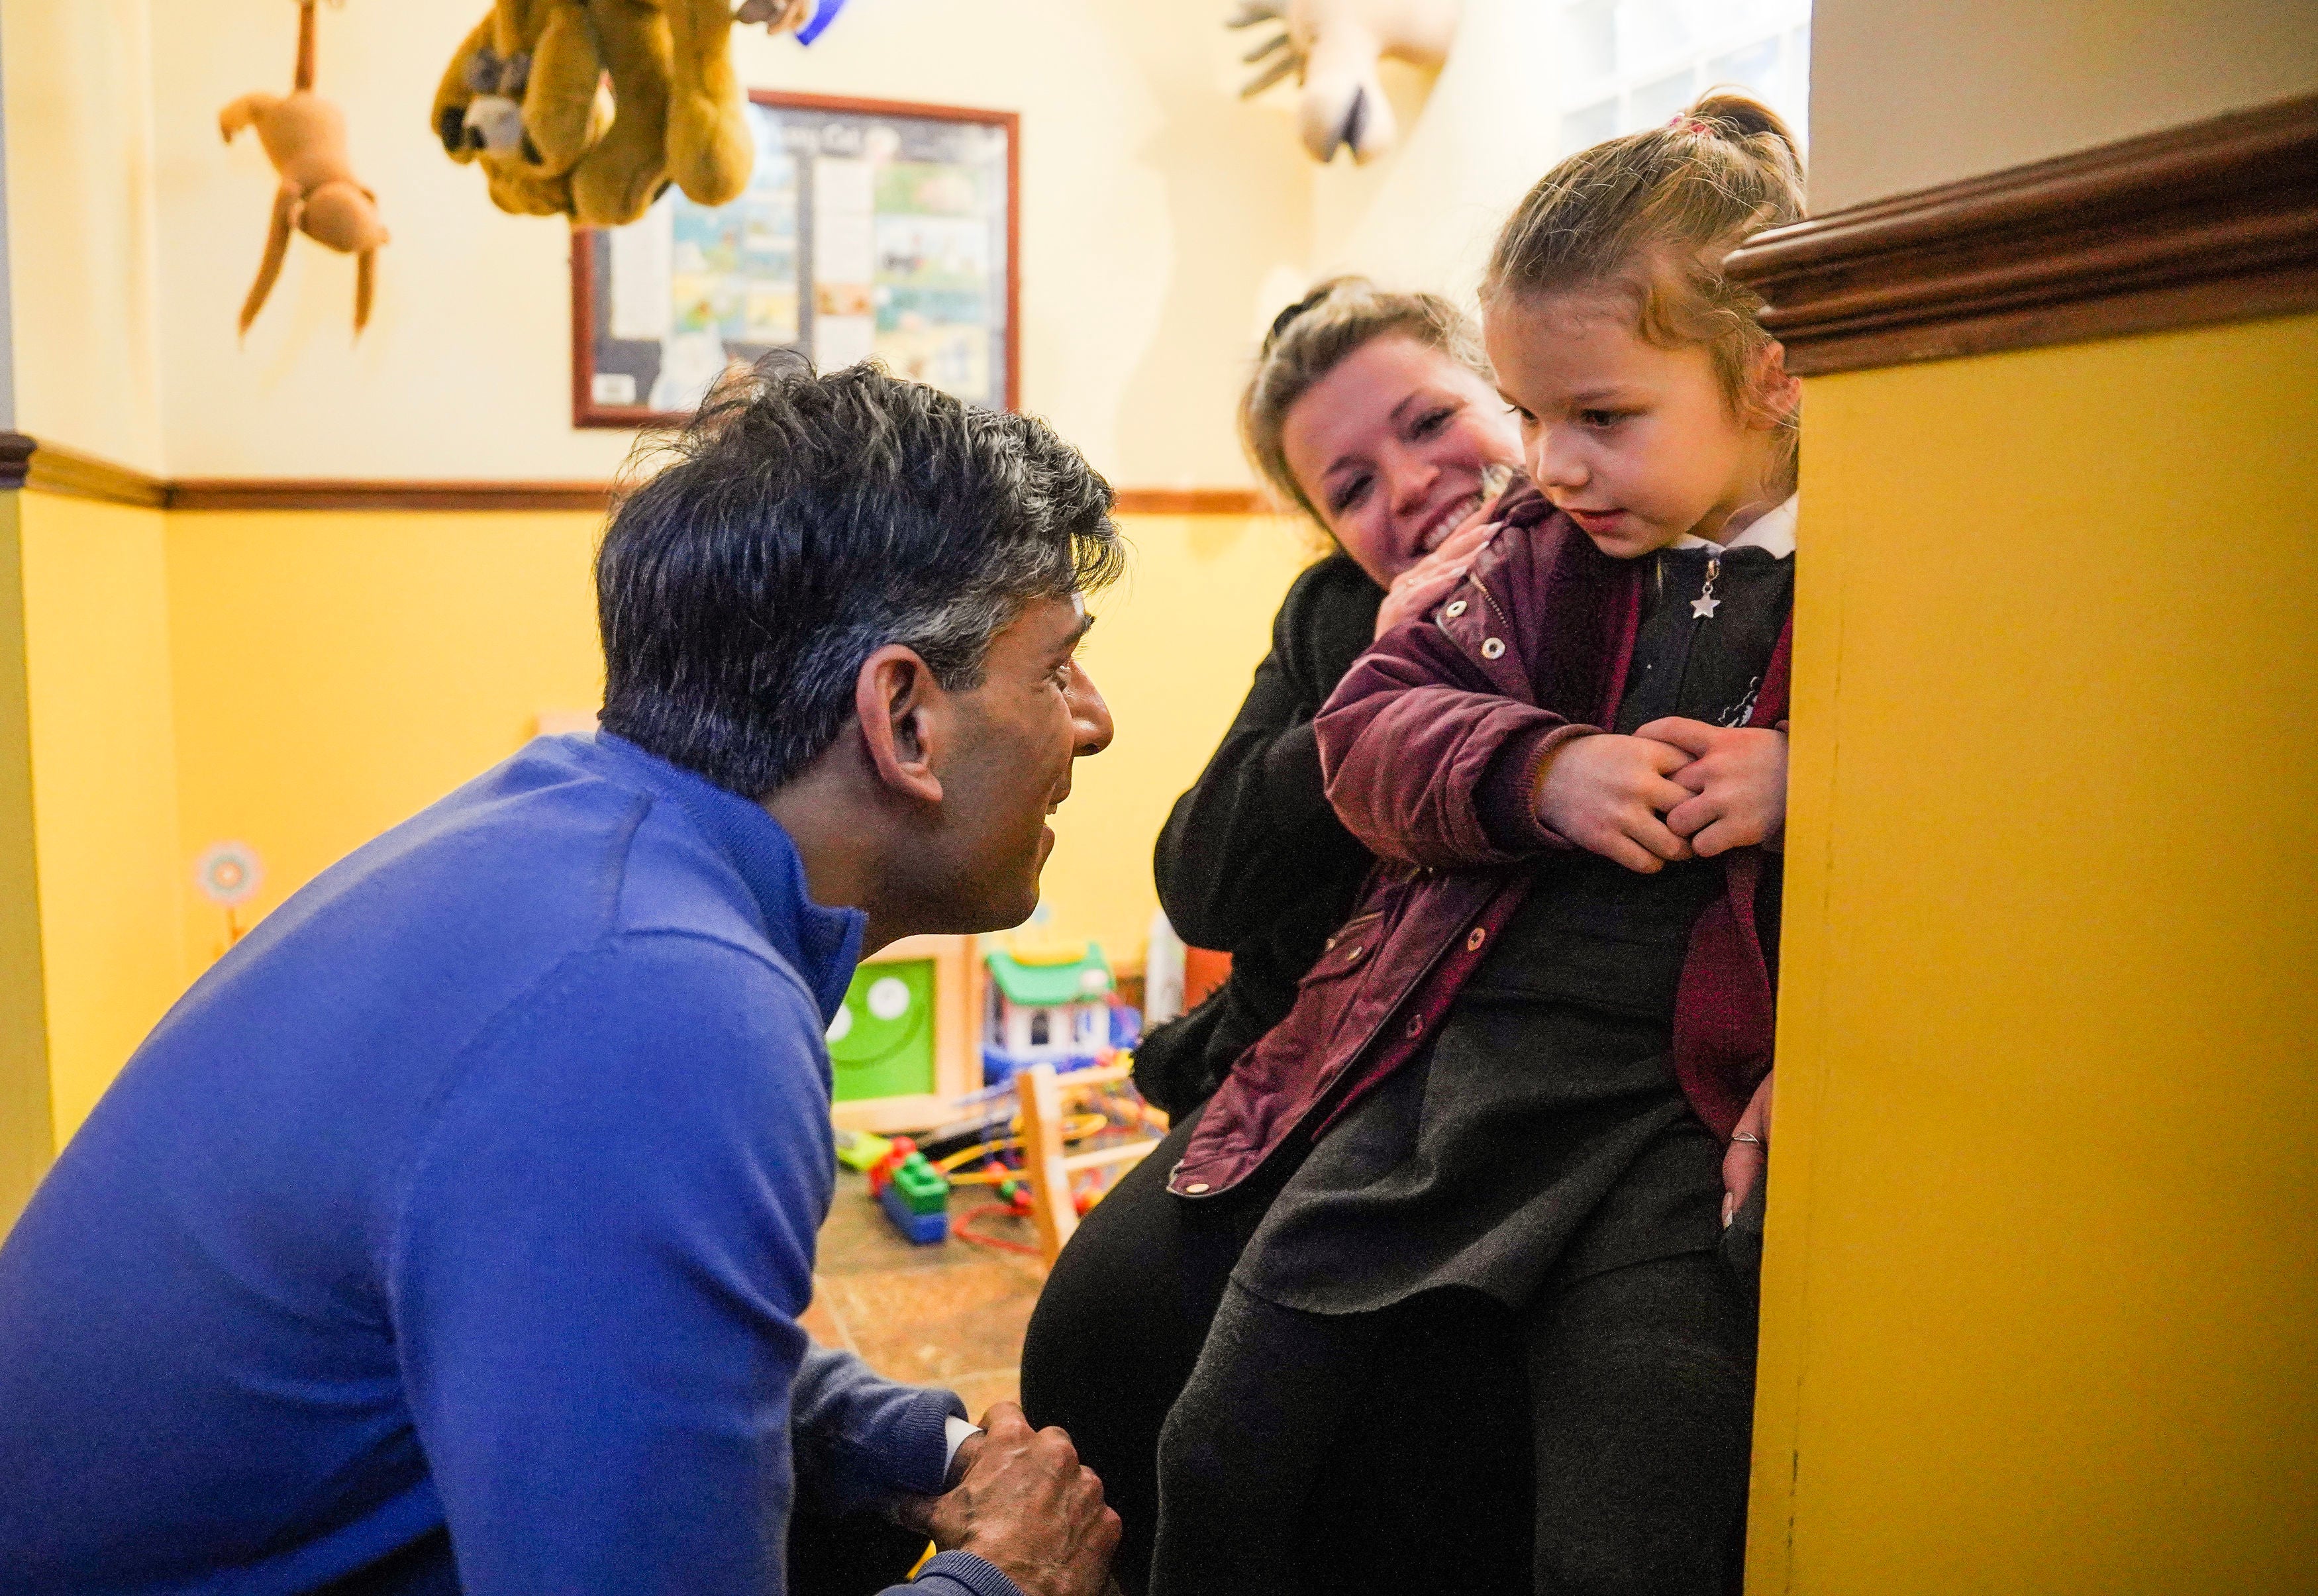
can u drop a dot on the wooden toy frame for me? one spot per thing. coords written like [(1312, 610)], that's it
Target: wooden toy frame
[(957, 1039)]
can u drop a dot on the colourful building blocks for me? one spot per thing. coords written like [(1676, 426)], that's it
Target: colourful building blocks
[(915, 1197)]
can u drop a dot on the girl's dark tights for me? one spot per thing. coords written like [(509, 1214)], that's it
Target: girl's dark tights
[(1432, 1484), (1641, 1386)]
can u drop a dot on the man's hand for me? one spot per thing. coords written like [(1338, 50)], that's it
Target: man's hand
[(1426, 583), (1737, 776), (1024, 1503), (1606, 793)]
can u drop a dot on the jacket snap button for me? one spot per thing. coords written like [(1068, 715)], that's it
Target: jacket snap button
[(1492, 647), (1196, 1188), (1480, 935), (1456, 608), (1416, 1026)]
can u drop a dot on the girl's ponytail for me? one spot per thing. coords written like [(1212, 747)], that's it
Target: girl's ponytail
[(1745, 121)]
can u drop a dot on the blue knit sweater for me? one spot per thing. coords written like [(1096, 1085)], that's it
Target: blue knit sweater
[(456, 1224)]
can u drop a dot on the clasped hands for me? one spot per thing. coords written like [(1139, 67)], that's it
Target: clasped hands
[(1021, 1500), (1676, 789)]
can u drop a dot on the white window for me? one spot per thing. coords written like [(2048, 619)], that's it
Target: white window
[(1633, 64), (1041, 1028)]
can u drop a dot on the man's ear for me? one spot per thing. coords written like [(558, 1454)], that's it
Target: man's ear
[(905, 720)]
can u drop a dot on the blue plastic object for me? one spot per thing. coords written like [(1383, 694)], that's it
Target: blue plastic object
[(924, 1229), (1126, 1025), (999, 1066), (823, 15)]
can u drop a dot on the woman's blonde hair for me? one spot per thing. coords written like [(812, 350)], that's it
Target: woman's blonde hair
[(1318, 334), (1652, 215)]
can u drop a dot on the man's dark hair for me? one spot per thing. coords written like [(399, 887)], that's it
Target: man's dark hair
[(806, 521)]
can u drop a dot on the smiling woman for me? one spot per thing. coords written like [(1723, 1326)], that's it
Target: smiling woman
[(1374, 413)]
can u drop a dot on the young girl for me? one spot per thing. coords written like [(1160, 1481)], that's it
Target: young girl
[(1522, 1056)]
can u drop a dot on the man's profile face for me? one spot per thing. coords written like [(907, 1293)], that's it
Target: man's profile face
[(1035, 712)]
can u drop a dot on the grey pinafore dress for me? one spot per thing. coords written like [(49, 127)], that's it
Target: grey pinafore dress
[(1542, 1137)]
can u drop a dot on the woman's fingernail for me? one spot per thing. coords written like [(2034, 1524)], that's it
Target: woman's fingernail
[(1730, 1206)]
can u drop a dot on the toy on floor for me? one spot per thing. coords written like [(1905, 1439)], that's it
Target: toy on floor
[(1050, 1003), (1078, 1154), (305, 137), (914, 1194), (859, 1150), (1333, 47), (589, 108)]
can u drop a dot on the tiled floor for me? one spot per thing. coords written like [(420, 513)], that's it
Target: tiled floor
[(951, 1314)]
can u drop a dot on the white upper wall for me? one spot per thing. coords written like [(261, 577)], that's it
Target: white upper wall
[(1154, 208), (1907, 95), (1425, 216), (1163, 221), (81, 228)]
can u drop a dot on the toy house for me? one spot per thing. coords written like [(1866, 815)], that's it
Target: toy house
[(1050, 1004)]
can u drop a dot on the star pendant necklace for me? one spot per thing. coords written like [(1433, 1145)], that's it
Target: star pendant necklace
[(1704, 606)]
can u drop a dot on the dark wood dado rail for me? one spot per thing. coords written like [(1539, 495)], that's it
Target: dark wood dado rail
[(27, 463), (2208, 222)]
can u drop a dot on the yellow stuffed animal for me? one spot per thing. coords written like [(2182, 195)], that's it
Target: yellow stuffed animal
[(523, 98), (305, 137)]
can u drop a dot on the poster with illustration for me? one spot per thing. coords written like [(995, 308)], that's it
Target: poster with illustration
[(868, 231)]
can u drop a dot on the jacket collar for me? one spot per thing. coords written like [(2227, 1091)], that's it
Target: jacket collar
[(821, 945)]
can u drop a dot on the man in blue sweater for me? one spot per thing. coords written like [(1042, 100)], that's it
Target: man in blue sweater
[(450, 1233)]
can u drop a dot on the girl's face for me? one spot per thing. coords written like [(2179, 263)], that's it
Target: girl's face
[(1636, 442), (1390, 447)]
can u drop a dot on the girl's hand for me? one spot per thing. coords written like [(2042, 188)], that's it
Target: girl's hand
[(1737, 776), (1426, 583), (1744, 1161), (1605, 792)]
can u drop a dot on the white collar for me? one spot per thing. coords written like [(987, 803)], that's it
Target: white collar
[(1773, 532)]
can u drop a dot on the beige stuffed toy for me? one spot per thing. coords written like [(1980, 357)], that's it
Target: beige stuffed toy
[(1333, 47), (524, 97), (305, 137)]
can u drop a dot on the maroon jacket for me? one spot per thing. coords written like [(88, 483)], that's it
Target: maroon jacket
[(1432, 746)]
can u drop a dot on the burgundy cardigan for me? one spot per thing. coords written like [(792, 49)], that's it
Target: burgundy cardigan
[(1432, 746)]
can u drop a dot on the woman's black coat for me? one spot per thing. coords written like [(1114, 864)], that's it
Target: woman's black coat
[(1252, 861)]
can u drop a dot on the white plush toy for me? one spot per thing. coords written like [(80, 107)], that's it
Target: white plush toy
[(1333, 47)]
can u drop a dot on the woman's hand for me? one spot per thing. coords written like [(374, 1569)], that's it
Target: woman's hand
[(1744, 1161), (1737, 779), (1426, 583), (1605, 792)]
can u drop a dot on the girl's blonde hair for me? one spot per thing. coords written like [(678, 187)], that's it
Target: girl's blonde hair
[(1318, 334), (1652, 215)]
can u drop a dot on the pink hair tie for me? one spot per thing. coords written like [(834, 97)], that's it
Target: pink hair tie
[(1684, 122)]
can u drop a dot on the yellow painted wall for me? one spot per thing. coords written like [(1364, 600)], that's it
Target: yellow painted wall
[(2042, 1290), (104, 786), (1175, 645), (335, 673), (27, 1129)]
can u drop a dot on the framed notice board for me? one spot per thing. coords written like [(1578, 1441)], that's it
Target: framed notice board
[(869, 229)]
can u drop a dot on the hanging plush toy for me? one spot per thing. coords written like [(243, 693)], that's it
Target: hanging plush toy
[(526, 98), (305, 137), (1333, 47)]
